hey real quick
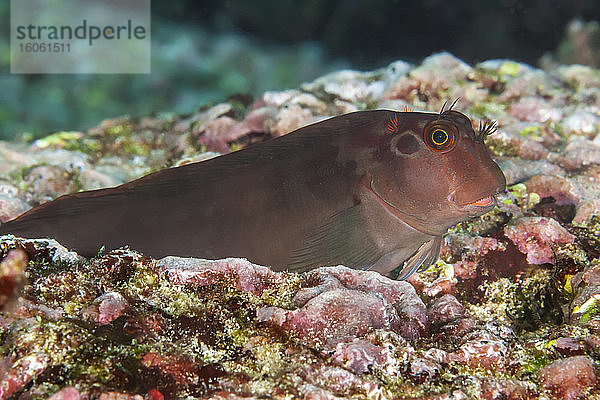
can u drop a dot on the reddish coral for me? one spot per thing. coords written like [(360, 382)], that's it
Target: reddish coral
[(21, 373), (569, 346), (110, 307), (505, 390), (535, 236), (171, 374), (440, 286), (196, 272), (11, 207), (68, 393), (343, 303), (360, 356), (119, 396), (12, 268), (482, 349), (534, 110), (465, 269), (562, 190), (155, 395), (445, 309), (333, 317), (471, 245), (339, 381), (569, 378), (180, 369), (216, 134)]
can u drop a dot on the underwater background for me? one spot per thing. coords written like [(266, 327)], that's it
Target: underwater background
[(205, 51)]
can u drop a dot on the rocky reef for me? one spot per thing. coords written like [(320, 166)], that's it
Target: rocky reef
[(510, 311)]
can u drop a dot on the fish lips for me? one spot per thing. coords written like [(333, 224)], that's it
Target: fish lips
[(477, 207)]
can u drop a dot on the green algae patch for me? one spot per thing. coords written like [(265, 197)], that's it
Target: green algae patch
[(117, 127), (438, 270), (500, 146), (81, 355), (534, 132), (482, 225), (536, 301), (526, 303), (207, 325), (267, 358), (69, 140), (588, 233), (63, 140), (519, 195), (571, 258), (487, 109), (510, 68), (494, 305), (587, 310), (132, 147), (531, 360), (282, 294)]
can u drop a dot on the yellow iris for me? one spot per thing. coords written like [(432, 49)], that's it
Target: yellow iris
[(439, 137)]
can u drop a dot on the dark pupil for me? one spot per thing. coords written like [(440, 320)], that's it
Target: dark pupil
[(439, 137)]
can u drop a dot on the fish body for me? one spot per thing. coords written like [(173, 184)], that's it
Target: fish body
[(369, 190)]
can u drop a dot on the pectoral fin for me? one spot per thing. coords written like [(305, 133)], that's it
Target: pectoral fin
[(341, 239), (426, 255)]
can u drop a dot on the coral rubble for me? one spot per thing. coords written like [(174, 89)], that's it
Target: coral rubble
[(510, 311)]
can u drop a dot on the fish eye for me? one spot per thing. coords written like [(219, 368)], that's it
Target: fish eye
[(440, 136)]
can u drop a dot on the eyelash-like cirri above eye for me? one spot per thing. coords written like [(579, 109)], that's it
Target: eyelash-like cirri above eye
[(440, 136), (392, 124)]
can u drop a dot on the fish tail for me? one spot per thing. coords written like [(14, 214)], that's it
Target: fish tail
[(13, 228), (5, 228)]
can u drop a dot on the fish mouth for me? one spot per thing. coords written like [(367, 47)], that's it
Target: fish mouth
[(479, 206), (483, 202)]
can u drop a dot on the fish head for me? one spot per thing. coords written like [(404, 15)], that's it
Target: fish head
[(433, 170)]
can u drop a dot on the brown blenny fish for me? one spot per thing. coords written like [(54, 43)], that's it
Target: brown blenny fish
[(369, 190)]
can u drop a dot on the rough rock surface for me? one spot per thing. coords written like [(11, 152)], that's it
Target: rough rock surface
[(347, 304), (569, 378), (510, 311)]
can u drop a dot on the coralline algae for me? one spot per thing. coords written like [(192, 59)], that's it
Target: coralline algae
[(511, 310)]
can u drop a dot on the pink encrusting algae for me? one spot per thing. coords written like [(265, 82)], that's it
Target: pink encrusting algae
[(511, 310)]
